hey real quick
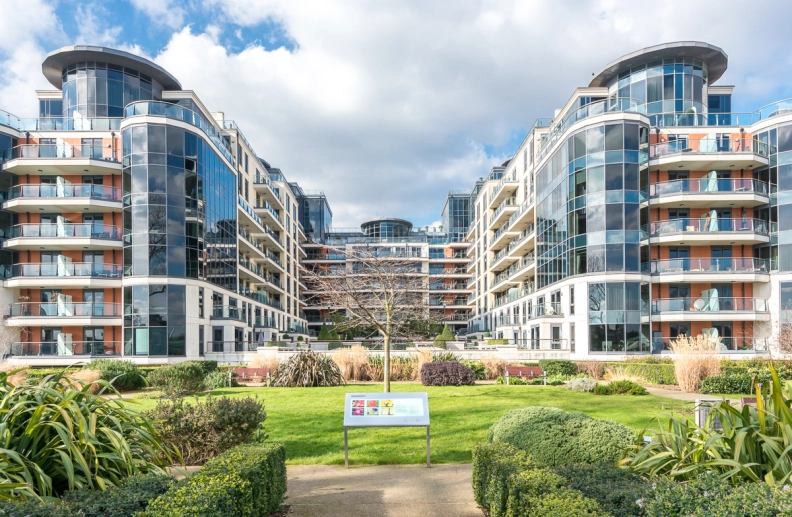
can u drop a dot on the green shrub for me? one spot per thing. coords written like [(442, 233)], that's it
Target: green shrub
[(554, 382), (478, 368), (324, 333), (206, 365), (542, 493), (709, 496), (300, 338), (558, 367), (486, 334), (517, 381), (555, 437), (131, 497), (445, 335), (218, 379), (620, 388), (249, 481), (583, 384), (616, 490), (123, 375), (204, 430), (179, 379), (652, 373), (58, 436), (493, 342), (728, 383), (493, 465)]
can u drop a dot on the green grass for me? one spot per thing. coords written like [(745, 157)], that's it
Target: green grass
[(310, 420)]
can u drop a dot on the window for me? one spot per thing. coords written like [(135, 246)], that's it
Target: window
[(201, 304), (571, 299), (572, 337)]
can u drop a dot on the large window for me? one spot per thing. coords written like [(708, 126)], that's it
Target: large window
[(615, 310), (154, 320)]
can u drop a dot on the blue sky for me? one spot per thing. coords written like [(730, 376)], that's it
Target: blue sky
[(388, 105)]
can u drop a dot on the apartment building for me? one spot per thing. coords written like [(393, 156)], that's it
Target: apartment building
[(643, 210), (440, 256), (136, 223)]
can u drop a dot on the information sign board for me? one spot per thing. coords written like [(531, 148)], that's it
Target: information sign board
[(386, 410)]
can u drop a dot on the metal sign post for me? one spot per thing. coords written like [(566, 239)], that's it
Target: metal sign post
[(386, 410)]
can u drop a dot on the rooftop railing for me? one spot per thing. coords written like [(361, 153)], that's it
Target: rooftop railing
[(174, 111)]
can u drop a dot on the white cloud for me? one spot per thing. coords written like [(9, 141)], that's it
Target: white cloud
[(91, 19), (388, 105), (162, 12)]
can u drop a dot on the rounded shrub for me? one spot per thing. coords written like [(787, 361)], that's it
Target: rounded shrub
[(179, 379), (450, 373), (554, 437), (583, 384), (122, 375)]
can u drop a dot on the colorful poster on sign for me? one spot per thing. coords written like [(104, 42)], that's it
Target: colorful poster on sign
[(396, 409)]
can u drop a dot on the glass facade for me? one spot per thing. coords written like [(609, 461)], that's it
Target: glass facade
[(102, 90), (316, 217), (154, 320), (615, 310), (456, 216), (393, 228), (588, 207), (673, 89), (179, 217)]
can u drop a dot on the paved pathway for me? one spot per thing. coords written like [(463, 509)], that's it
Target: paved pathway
[(381, 491)]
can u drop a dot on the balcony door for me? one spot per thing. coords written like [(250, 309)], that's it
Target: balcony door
[(721, 258), (679, 258), (49, 302), (94, 341), (94, 302), (49, 340), (680, 297)]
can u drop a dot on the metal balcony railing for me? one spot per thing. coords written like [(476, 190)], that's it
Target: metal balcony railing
[(64, 270), (727, 344), (707, 185), (707, 265), (47, 191), (707, 225), (66, 348), (65, 230), (60, 151), (219, 347), (708, 145)]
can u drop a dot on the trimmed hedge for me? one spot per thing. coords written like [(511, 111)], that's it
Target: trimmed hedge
[(132, 496), (493, 465), (553, 367), (728, 383), (652, 373), (448, 373), (620, 388), (616, 489), (247, 481), (555, 437)]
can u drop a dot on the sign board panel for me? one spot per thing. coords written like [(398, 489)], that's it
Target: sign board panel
[(386, 409)]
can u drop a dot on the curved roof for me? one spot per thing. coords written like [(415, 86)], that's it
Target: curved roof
[(57, 60), (403, 222), (715, 58)]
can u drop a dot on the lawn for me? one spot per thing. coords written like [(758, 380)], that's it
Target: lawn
[(310, 420)]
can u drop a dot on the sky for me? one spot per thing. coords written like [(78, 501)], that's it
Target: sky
[(386, 106)]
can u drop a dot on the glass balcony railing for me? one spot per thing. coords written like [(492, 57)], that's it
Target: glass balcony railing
[(262, 204), (227, 312), (506, 203), (255, 268), (46, 191), (60, 123), (65, 230), (174, 111), (260, 321), (707, 265), (710, 304), (774, 109), (64, 270), (62, 150), (507, 178), (219, 347), (259, 246), (447, 287), (514, 295), (727, 344), (542, 344), (65, 309), (708, 186), (708, 146), (545, 309), (707, 225), (66, 348)]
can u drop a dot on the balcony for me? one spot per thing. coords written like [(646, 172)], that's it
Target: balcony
[(709, 230), (448, 287), (61, 236), (60, 159), (62, 198), (66, 274), (318, 255), (227, 347), (501, 237), (259, 275), (703, 192), (522, 243), (227, 312), (449, 271), (709, 308), (727, 344), (257, 226), (541, 310), (261, 322), (269, 191), (514, 295), (249, 243), (738, 269), (54, 313), (67, 348), (539, 345), (504, 189), (708, 153), (268, 212), (471, 267), (504, 211), (471, 233)]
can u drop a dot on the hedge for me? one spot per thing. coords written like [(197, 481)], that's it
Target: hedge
[(728, 383), (493, 465), (554, 437), (617, 490), (132, 496), (246, 481), (558, 367)]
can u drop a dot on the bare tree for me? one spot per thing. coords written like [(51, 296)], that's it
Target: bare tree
[(8, 335), (383, 290)]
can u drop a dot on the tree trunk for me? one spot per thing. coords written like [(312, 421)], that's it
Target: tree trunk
[(387, 370)]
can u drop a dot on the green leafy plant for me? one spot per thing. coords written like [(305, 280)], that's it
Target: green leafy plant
[(218, 379), (620, 388), (556, 437), (206, 365), (493, 465), (558, 367), (750, 445), (55, 435), (179, 379), (445, 335), (249, 481), (584, 385), (324, 333), (306, 369), (201, 431), (618, 491), (300, 338), (444, 357), (477, 366), (728, 383), (122, 375)]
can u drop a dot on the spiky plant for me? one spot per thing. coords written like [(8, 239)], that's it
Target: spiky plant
[(306, 369)]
